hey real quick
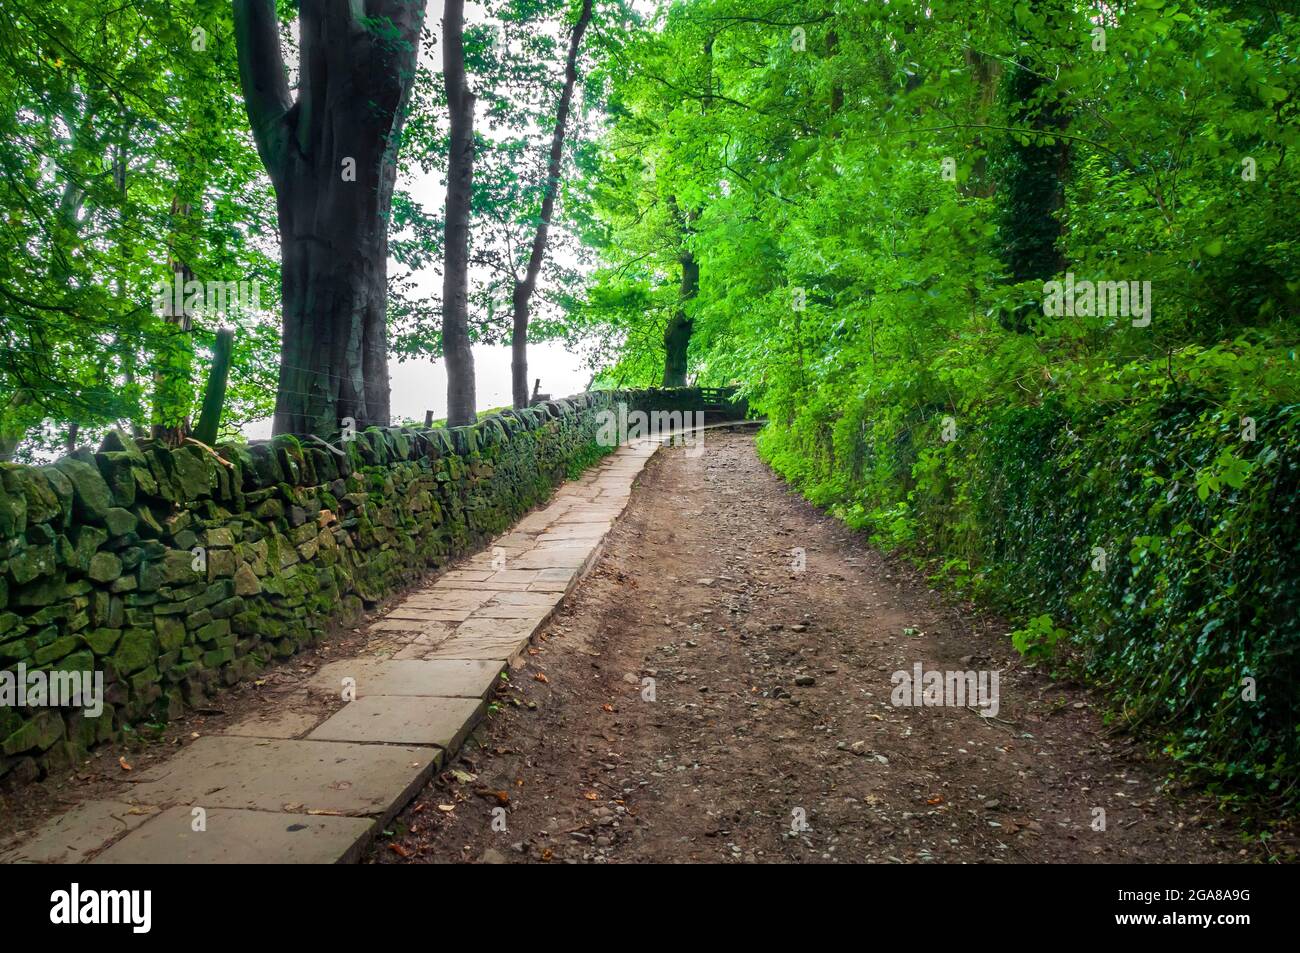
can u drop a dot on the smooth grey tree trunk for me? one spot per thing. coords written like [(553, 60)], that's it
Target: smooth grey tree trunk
[(461, 404)]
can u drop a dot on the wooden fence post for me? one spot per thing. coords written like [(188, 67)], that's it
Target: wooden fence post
[(214, 395)]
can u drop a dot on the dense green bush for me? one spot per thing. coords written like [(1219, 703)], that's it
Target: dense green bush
[(1161, 541)]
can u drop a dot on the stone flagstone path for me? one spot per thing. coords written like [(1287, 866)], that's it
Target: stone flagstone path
[(286, 789)]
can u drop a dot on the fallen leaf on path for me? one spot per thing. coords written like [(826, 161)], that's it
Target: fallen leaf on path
[(592, 796), (446, 808), (541, 677), (399, 850), (121, 763)]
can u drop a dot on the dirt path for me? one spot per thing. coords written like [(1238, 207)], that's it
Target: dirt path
[(771, 704)]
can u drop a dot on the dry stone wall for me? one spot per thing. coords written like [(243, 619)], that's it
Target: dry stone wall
[(174, 571)]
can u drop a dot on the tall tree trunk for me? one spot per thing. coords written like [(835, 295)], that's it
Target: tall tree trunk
[(332, 157), (12, 433), (523, 290), (171, 382), (1033, 193), (837, 88), (461, 404), (677, 337)]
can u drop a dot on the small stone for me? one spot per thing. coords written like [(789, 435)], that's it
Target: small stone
[(805, 680), (120, 521), (91, 495), (104, 567), (246, 581), (40, 732), (135, 651)]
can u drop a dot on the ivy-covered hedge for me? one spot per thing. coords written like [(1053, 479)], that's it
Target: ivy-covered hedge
[(1155, 536), (173, 571)]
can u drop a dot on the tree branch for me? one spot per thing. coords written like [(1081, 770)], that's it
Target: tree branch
[(262, 76)]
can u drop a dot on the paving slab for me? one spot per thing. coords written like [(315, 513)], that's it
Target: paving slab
[(576, 545), (499, 650), (277, 724), (287, 776), (403, 720), (602, 514), (424, 614), (424, 608), (556, 575), (539, 521), (429, 623), (73, 836), (520, 575), (522, 599), (408, 677), (494, 639), (495, 586), (466, 575), (535, 614), (459, 595), (593, 530), (421, 644), (492, 561), (495, 628), (232, 836)]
